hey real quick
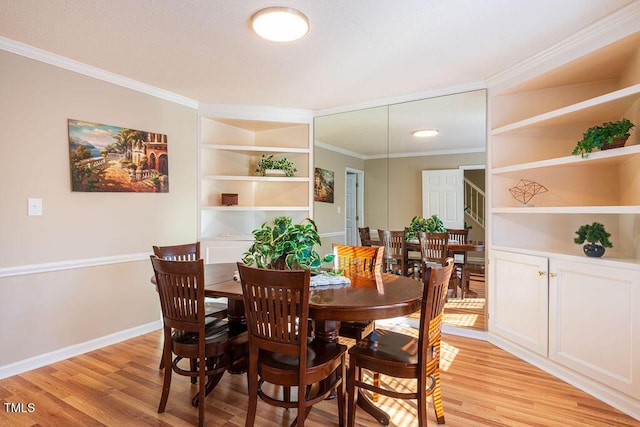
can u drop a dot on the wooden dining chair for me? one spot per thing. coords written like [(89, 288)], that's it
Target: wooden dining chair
[(434, 249), (353, 259), (190, 252), (395, 251), (460, 236), (280, 352), (404, 356), (189, 334), (365, 236)]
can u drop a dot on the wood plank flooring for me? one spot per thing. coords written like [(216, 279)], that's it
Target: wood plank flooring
[(120, 385)]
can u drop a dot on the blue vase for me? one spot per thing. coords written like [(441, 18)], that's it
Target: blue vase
[(593, 250)]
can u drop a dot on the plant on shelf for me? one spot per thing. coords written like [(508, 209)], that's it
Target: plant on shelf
[(597, 238), (286, 246), (433, 224), (602, 137), (267, 162)]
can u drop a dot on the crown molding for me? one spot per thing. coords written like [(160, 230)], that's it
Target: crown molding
[(416, 96), (615, 26), (31, 52), (255, 112)]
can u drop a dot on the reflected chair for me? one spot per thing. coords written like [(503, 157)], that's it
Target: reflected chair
[(459, 236), (280, 352), (214, 307), (434, 249), (353, 259), (403, 356), (395, 251), (188, 333), (365, 236)]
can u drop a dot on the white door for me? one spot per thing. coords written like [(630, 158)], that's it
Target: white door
[(351, 209), (443, 195), (519, 305)]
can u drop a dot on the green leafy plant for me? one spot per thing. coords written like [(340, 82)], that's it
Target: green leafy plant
[(598, 136), (268, 162), (286, 246), (594, 234), (433, 224)]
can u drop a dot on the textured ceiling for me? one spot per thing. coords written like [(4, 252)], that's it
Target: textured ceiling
[(357, 51)]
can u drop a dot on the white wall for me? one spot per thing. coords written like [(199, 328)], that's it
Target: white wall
[(81, 271)]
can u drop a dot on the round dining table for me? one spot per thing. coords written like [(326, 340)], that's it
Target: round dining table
[(367, 296)]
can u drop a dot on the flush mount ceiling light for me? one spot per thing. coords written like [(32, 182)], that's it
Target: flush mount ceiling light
[(280, 24), (425, 133)]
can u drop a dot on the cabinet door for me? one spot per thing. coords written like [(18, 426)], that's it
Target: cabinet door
[(518, 308), (594, 322)]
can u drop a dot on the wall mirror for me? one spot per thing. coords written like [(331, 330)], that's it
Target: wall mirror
[(376, 165)]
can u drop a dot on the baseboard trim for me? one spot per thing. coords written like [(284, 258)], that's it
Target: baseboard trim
[(76, 349), (618, 400)]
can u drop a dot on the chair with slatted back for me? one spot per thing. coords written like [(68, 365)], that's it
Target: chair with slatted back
[(404, 356), (214, 307), (460, 236), (434, 248), (188, 333), (395, 251), (280, 352), (352, 259), (365, 236)]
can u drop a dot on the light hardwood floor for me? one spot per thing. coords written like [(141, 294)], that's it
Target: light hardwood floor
[(120, 385)]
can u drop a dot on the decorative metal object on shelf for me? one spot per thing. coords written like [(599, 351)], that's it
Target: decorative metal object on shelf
[(229, 199), (526, 190)]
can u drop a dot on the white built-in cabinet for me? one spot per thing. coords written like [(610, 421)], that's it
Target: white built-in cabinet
[(230, 147), (574, 316), (582, 315)]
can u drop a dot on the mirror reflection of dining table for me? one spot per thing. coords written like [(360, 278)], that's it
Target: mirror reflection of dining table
[(367, 296)]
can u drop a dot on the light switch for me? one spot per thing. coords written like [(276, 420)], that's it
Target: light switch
[(339, 209), (34, 207)]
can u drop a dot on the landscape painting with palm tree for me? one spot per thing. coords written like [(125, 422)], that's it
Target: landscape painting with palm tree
[(107, 158)]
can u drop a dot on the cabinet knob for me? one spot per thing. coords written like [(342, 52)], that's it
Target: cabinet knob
[(552, 274), (541, 273)]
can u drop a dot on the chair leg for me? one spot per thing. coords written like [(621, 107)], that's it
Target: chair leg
[(351, 392), (436, 395), (202, 366), (252, 379), (342, 390), (166, 382)]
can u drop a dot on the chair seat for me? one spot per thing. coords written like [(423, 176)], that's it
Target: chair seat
[(318, 353), (217, 333), (387, 346)]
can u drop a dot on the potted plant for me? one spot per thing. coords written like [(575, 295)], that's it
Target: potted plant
[(433, 224), (608, 135), (286, 246), (268, 163), (597, 238)]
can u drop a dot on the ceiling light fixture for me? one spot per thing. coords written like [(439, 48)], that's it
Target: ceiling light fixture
[(425, 133), (280, 24)]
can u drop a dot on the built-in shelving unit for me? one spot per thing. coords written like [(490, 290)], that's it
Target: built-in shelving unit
[(534, 126), (230, 147), (548, 303)]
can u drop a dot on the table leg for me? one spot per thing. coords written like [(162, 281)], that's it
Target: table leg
[(237, 324), (328, 331)]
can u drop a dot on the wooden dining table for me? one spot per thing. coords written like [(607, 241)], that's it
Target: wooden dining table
[(368, 296)]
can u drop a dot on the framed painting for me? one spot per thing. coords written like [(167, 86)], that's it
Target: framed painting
[(323, 185), (106, 158)]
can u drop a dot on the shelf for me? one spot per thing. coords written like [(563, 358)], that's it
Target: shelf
[(595, 158), (254, 149), (256, 178), (570, 210), (576, 255), (597, 110), (255, 208)]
